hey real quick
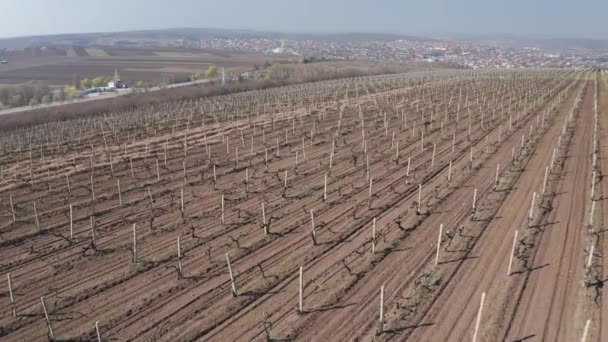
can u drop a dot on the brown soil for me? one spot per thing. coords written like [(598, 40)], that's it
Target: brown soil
[(149, 299)]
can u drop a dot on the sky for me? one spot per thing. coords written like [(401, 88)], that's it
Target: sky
[(551, 18)]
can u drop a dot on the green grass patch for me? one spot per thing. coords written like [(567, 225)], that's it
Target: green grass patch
[(97, 52)]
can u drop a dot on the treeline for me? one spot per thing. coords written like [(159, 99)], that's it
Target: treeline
[(310, 72), (35, 93), (25, 94)]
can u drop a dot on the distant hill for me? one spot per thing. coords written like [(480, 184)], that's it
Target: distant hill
[(163, 36)]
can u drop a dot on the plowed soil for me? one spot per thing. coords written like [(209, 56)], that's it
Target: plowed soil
[(379, 162)]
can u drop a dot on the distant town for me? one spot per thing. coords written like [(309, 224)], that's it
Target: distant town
[(472, 53), (467, 54)]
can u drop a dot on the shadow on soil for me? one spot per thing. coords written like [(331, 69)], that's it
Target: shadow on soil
[(400, 330), (329, 308), (530, 269)]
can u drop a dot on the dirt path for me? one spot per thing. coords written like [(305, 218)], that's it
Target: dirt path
[(552, 304), (599, 325), (488, 270)]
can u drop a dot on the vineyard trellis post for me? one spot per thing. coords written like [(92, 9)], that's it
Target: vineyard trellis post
[(478, 321), (48, 320), (11, 297), (232, 285)]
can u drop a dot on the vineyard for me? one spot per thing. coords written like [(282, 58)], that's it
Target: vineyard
[(440, 205)]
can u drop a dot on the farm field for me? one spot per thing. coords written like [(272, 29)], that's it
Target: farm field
[(57, 66), (447, 205)]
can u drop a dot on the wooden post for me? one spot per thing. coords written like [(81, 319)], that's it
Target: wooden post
[(438, 244), (475, 199), (419, 196), (237, 157), (48, 321), (590, 259), (92, 188), (453, 142), (592, 185), (545, 180), (374, 236), (421, 141), (179, 255), (483, 298), (381, 307), (532, 207), (67, 179), (157, 171), (586, 330), (214, 178), (285, 180), (512, 253), (134, 244), (92, 224), (496, 178), (397, 153), (71, 223), (264, 220), (10, 197), (407, 171), (325, 189), (10, 293), (450, 171), (433, 156), (119, 194), (301, 307), (222, 205), (182, 199), (312, 223), (97, 330), (132, 172), (36, 216), (233, 286), (591, 215), (369, 195)]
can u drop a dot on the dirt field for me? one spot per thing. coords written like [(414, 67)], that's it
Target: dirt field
[(346, 181), (57, 67)]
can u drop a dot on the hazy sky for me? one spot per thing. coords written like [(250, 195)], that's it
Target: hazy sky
[(562, 18)]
